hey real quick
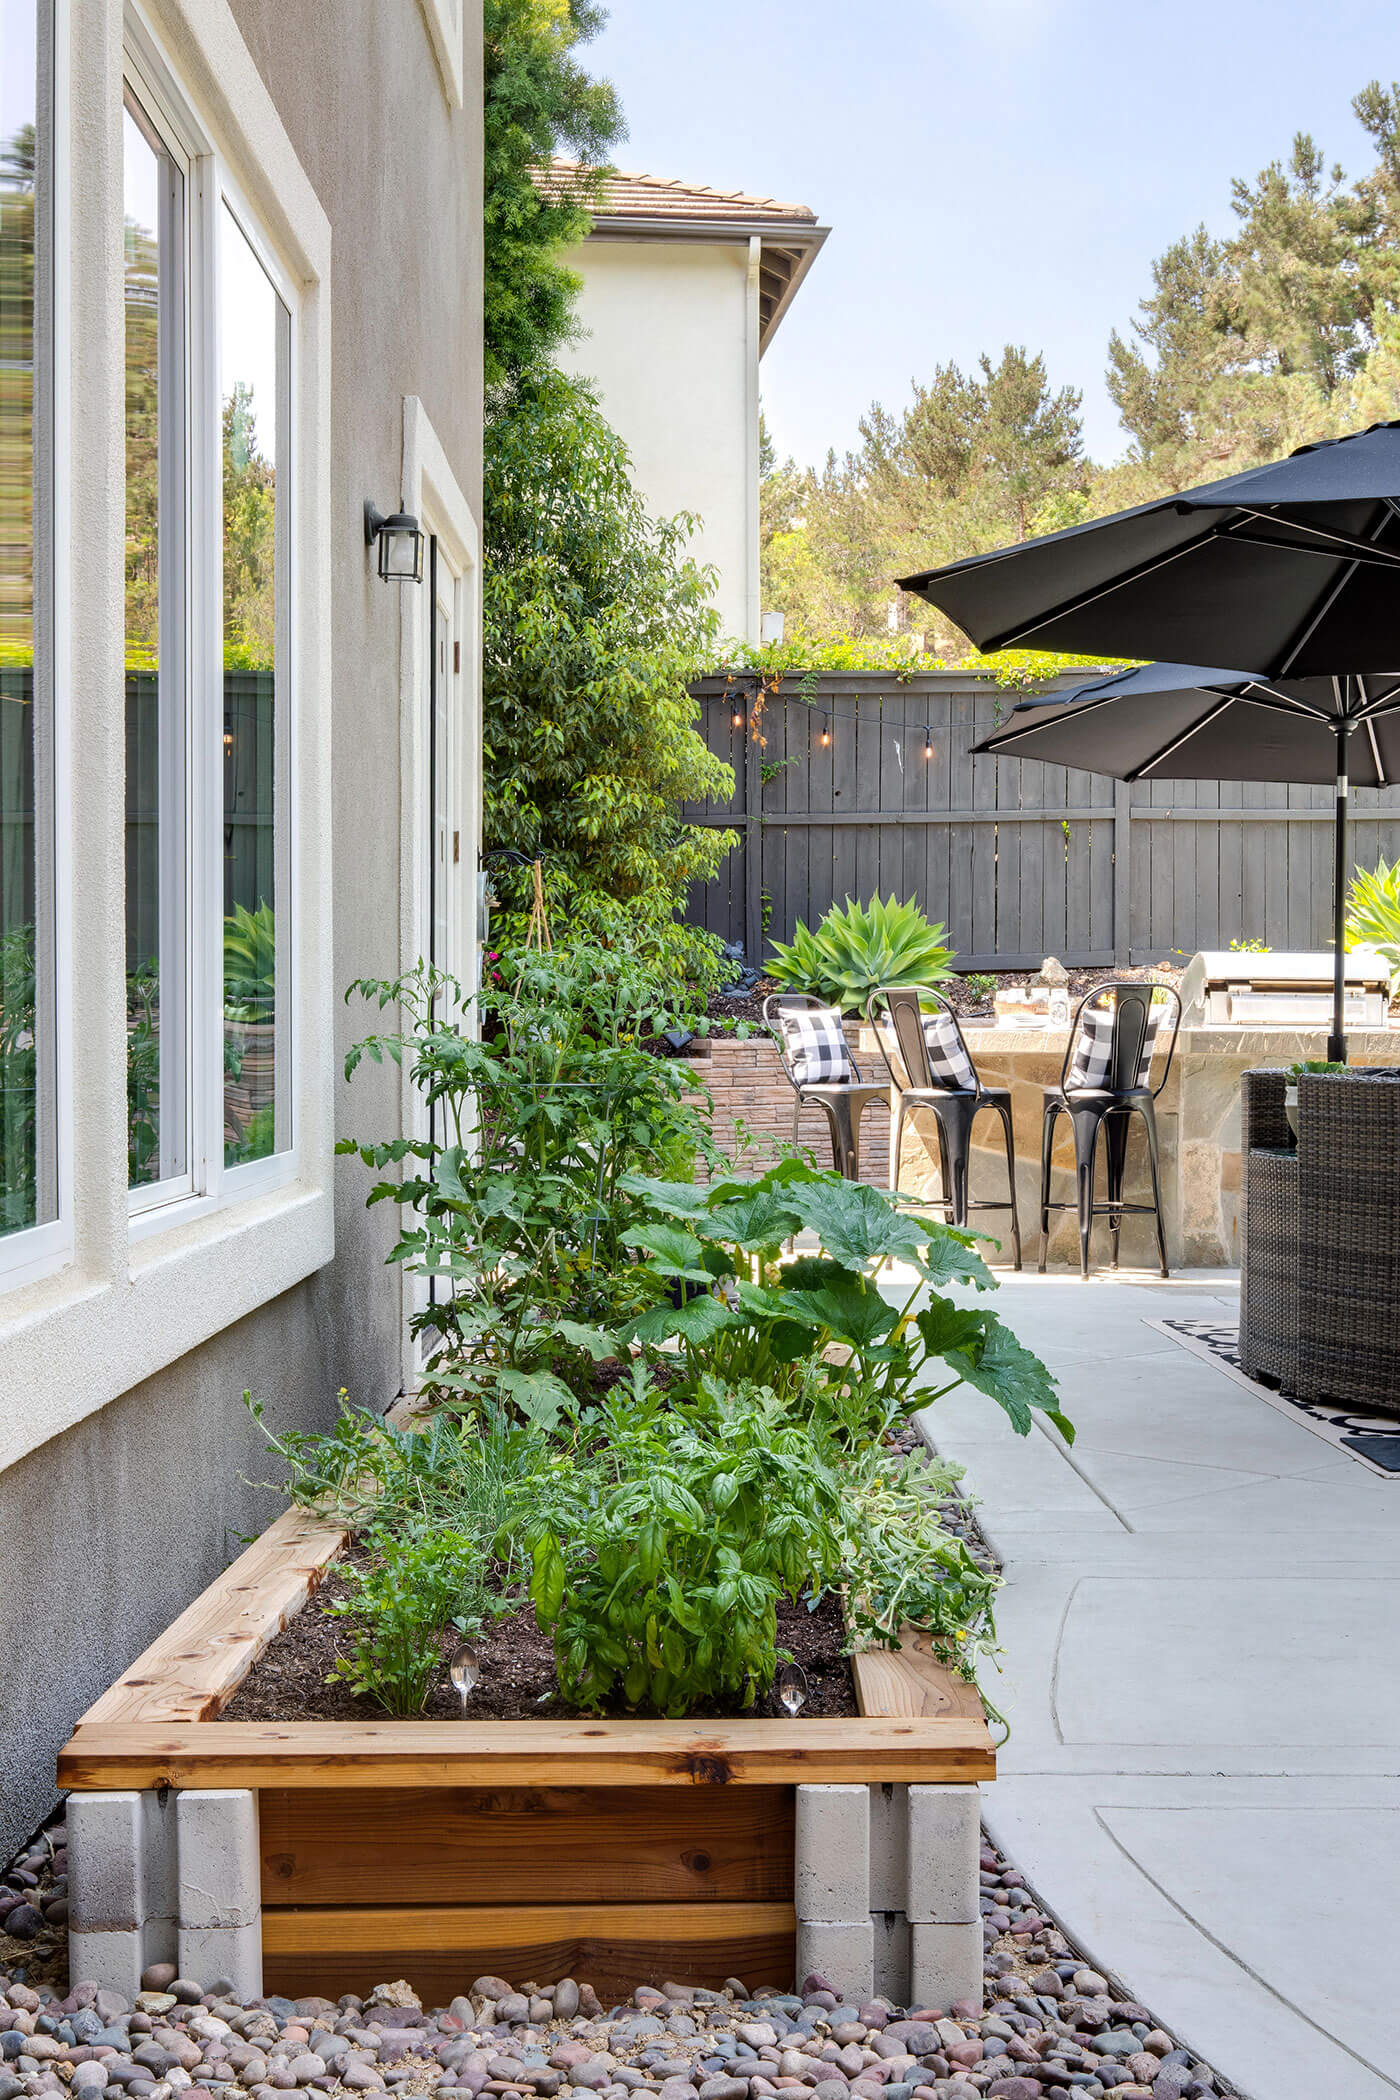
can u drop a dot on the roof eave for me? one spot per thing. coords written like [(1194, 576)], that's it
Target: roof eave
[(785, 236)]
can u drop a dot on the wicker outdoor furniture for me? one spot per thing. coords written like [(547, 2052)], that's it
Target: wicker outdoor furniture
[(821, 1071), (1320, 1260), (1104, 1083)]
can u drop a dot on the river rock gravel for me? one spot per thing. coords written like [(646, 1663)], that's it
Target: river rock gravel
[(1049, 2028)]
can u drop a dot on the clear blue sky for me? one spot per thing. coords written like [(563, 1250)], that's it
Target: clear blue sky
[(992, 170)]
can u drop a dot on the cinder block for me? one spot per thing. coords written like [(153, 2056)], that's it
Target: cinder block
[(105, 1892), (112, 1960), (220, 1899), (832, 1876), (889, 1847), (891, 1935), (945, 1964), (943, 1855), (223, 1954), (160, 1878), (217, 1839), (111, 1889), (844, 1954)]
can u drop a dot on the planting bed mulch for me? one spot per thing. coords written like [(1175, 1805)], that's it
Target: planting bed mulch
[(1048, 2027), (288, 1682)]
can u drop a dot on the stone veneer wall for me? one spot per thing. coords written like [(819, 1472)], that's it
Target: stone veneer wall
[(1198, 1126)]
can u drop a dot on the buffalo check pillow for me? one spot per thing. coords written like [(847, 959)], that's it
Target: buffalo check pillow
[(816, 1045), (948, 1062), (1093, 1049)]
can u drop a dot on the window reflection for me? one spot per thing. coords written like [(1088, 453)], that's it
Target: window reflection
[(28, 1153), (157, 1074), (254, 335)]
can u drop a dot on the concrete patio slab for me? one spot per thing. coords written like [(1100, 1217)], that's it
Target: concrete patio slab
[(1203, 1684)]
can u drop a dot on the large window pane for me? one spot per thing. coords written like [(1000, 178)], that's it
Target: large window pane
[(254, 342), (28, 1152), (156, 685)]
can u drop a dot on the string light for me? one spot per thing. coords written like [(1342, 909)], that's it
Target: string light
[(928, 741), (826, 736), (737, 719)]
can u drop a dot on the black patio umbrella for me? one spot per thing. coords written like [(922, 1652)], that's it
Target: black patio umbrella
[(1292, 568), (1190, 722)]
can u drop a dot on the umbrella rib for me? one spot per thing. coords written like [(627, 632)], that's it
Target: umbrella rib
[(1151, 764), (1091, 597), (1361, 550), (1381, 780), (1329, 599), (1260, 695), (1087, 707), (1378, 703)]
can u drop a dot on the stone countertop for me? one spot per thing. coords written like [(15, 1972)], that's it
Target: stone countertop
[(1262, 1045)]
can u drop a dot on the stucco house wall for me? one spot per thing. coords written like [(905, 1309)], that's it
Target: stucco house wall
[(118, 1506), (669, 334)]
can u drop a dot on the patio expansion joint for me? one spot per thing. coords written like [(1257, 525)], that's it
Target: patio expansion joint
[(1197, 1925)]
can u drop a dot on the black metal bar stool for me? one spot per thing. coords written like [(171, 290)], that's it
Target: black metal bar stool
[(929, 1063), (821, 1071), (1103, 1085)]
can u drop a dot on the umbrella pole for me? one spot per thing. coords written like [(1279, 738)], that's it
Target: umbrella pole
[(1336, 1041)]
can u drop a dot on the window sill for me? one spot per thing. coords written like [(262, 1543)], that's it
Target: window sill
[(73, 1343)]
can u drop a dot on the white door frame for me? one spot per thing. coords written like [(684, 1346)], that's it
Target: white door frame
[(431, 492)]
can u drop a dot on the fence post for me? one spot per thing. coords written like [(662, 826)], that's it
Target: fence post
[(753, 839), (1122, 870)]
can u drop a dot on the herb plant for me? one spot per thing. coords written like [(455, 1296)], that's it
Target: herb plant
[(418, 1582)]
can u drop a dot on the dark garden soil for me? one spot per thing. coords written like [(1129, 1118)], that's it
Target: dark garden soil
[(518, 1680)]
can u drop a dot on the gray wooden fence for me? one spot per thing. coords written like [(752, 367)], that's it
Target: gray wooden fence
[(834, 797)]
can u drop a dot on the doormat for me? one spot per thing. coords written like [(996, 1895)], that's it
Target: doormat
[(1373, 1440)]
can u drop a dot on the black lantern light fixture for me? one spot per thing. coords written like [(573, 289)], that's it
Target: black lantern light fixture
[(400, 544)]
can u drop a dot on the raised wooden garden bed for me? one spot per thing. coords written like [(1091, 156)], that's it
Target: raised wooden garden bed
[(618, 1851)]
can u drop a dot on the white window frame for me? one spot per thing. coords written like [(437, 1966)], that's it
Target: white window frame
[(125, 1300), (39, 1251), (210, 188), (445, 31), (179, 920), (432, 493)]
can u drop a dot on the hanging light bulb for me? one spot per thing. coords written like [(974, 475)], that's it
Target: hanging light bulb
[(826, 735), (928, 741), (737, 719)]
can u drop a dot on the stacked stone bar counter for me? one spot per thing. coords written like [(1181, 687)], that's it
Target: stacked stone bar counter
[(1198, 1120)]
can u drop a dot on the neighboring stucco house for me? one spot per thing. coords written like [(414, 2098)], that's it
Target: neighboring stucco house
[(683, 289), (240, 295)]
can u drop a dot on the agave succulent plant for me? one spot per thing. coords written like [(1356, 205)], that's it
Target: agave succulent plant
[(1373, 915), (858, 947)]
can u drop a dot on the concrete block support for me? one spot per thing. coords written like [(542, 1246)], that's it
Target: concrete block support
[(844, 1954), (121, 1892), (832, 1873), (945, 1965), (220, 1894), (943, 1853), (164, 1878), (886, 1890)]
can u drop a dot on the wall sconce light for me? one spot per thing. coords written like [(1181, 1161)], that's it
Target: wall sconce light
[(400, 544)]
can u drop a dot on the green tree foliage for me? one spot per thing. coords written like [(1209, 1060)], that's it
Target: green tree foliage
[(595, 618), (539, 103), (1282, 330), (971, 462)]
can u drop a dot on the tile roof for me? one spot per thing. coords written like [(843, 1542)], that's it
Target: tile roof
[(657, 197)]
